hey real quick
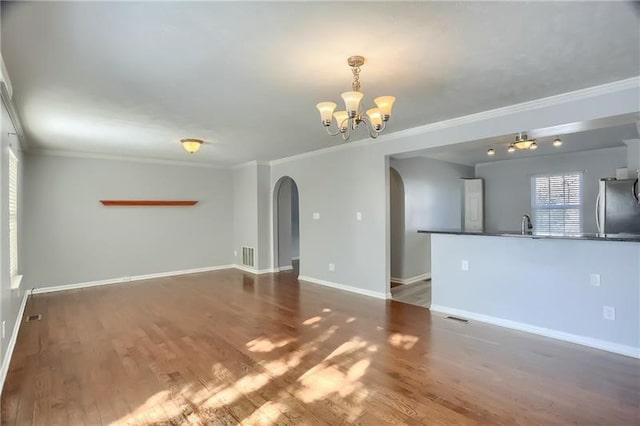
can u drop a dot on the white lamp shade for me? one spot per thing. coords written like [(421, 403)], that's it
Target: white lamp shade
[(352, 102), (375, 117), (326, 111), (385, 104), (342, 119)]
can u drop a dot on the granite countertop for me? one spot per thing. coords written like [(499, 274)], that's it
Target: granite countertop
[(515, 234)]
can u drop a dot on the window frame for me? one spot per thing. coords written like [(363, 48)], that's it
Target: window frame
[(535, 208), (13, 210)]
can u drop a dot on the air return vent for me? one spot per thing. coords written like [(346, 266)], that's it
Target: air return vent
[(247, 256), (36, 317)]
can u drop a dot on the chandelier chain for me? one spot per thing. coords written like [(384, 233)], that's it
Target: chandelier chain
[(356, 79)]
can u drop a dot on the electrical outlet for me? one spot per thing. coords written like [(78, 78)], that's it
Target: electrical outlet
[(595, 280), (332, 267), (359, 216), (609, 313), (4, 324), (464, 265), (316, 216)]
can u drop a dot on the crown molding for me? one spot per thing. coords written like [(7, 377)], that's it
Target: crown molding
[(251, 163), (563, 98), (94, 156)]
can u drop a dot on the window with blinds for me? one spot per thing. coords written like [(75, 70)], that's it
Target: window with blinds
[(13, 216), (556, 203)]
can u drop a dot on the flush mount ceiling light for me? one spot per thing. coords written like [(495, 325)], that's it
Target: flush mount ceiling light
[(375, 119), (523, 143), (191, 145)]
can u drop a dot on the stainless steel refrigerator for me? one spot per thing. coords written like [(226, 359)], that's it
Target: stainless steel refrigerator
[(618, 207)]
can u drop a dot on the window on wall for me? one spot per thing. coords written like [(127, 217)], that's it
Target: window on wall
[(13, 220), (556, 203)]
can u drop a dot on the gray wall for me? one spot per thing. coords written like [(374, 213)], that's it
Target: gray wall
[(265, 196), (71, 238), (543, 283), (245, 209), (345, 178), (433, 194), (507, 184), (10, 300)]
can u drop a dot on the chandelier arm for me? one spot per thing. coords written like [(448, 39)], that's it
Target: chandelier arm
[(330, 133), (373, 133)]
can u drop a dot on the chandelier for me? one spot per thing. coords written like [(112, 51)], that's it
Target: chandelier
[(375, 119)]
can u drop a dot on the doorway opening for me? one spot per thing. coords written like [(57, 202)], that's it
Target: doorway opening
[(286, 226), (406, 249)]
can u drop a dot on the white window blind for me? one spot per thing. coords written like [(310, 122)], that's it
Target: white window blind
[(556, 203), (13, 215)]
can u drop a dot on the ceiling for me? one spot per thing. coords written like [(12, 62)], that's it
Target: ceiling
[(123, 78), (475, 152)]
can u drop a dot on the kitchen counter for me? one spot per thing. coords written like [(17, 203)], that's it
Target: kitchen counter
[(633, 238)]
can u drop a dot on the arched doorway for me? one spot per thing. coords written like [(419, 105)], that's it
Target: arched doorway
[(286, 226), (397, 226)]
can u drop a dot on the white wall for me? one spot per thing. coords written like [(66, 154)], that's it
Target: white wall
[(507, 184), (543, 283), (71, 238), (433, 200)]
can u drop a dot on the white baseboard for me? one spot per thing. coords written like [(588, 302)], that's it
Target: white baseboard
[(351, 289), (127, 279), (541, 331), (411, 280), (12, 342), (285, 268), (254, 270)]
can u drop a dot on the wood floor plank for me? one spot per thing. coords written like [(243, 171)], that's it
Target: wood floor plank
[(227, 348)]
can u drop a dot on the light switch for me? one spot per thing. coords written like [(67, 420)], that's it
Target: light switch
[(464, 265), (595, 280), (358, 216), (316, 216)]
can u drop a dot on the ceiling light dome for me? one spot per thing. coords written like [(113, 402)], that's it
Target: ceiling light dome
[(523, 142), (191, 145)]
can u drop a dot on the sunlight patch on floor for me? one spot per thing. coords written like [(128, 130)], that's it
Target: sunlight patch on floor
[(264, 344), (404, 341), (312, 320), (268, 412)]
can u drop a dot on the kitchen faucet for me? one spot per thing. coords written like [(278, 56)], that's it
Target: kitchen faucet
[(526, 226)]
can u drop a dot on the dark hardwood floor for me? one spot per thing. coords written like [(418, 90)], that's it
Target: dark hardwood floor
[(228, 347)]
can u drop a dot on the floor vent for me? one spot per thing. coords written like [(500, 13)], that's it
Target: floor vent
[(247, 256), (36, 317), (458, 319)]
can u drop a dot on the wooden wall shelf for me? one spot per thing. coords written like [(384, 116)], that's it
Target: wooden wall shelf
[(148, 203)]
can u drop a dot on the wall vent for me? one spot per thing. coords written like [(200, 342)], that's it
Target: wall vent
[(247, 256), (36, 317)]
